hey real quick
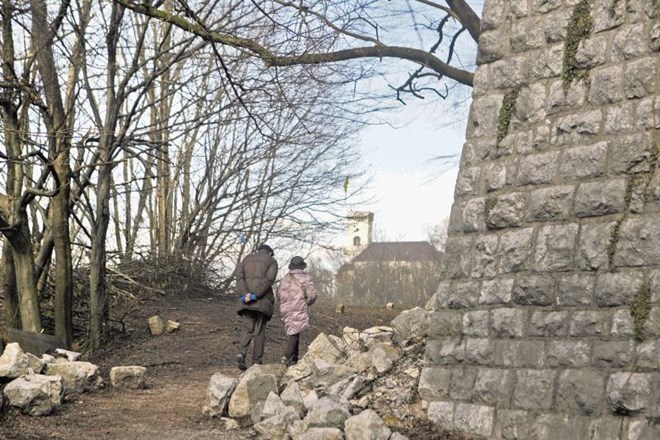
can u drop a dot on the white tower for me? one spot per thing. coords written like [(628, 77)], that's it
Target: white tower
[(358, 232)]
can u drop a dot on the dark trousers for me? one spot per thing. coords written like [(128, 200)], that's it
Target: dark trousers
[(291, 353), (253, 325)]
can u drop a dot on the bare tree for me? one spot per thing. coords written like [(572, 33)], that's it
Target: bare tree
[(318, 33)]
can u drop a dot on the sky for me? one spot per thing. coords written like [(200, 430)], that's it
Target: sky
[(411, 192)]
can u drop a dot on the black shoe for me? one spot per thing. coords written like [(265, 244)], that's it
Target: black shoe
[(241, 362)]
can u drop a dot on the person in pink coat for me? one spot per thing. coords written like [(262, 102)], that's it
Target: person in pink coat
[(295, 293)]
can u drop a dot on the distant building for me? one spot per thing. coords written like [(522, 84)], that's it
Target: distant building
[(402, 272)]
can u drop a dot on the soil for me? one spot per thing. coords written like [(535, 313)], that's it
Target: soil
[(179, 366)]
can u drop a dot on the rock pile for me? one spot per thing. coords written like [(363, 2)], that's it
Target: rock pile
[(39, 385), (360, 385)]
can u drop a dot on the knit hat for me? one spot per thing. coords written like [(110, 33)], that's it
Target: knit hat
[(297, 263), (265, 247)]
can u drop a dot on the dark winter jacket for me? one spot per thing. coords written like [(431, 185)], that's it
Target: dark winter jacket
[(256, 274)]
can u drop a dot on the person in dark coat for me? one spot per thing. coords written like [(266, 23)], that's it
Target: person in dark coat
[(255, 276)]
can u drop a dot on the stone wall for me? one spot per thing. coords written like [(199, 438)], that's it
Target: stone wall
[(547, 322)]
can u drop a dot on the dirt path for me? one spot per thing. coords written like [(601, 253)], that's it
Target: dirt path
[(179, 366)]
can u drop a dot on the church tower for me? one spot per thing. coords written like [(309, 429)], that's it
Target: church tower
[(358, 232)]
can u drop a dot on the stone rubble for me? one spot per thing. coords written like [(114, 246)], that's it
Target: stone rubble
[(361, 385), (39, 385)]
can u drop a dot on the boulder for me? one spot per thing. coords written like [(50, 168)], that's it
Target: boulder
[(366, 426), (171, 326), (412, 324), (389, 306), (377, 334), (326, 374), (129, 377), (272, 406), (291, 396), (35, 364), (339, 308), (319, 434), (324, 348), (156, 325), (384, 356), (275, 427), (14, 362), (70, 356), (77, 377), (326, 412), (35, 394), (218, 394), (253, 386)]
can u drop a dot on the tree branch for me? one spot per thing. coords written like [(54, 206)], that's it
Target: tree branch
[(270, 59)]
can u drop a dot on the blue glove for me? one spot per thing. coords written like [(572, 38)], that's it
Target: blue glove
[(249, 297), (253, 296)]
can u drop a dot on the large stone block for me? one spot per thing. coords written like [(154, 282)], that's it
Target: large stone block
[(462, 383), (445, 351), (527, 34), (620, 118), (445, 323), (496, 291), (474, 419), (594, 244), (632, 154), (493, 45), (508, 322), (629, 42), (493, 386), (589, 323), (605, 428), (545, 323), (476, 323), (591, 52), (577, 128), (517, 354), (648, 354), (538, 169), (479, 351), (534, 389), (556, 24), (530, 106), (485, 256), (545, 63), (464, 294), (534, 290), (608, 14), (550, 204), (555, 247), (515, 250), (568, 353), (495, 176), (441, 414), (457, 262), (505, 211), (637, 243), (467, 182), (600, 198), (434, 383), (473, 215), (582, 162), (509, 72), (559, 426), (622, 323), (613, 354), (633, 393), (606, 85), (639, 78), (514, 424), (581, 391), (575, 289), (617, 288)]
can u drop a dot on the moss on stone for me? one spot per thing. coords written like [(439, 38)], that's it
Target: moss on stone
[(640, 310), (489, 205), (504, 118), (579, 28)]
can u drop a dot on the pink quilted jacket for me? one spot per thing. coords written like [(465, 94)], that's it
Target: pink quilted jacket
[(293, 305)]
